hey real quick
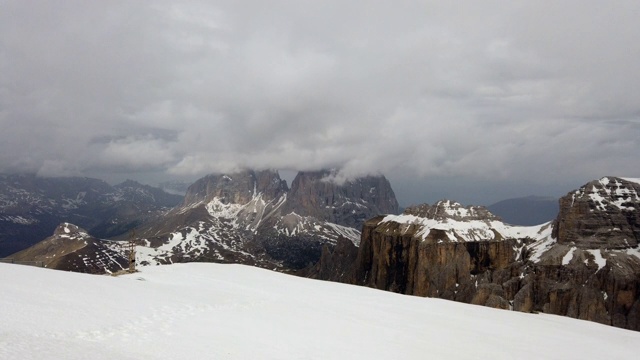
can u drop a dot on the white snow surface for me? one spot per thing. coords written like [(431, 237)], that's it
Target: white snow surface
[(216, 311), (569, 256), (600, 261), (544, 243)]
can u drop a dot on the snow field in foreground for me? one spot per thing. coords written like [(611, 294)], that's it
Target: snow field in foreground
[(214, 311)]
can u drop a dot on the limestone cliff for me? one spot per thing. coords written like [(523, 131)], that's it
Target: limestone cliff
[(446, 251)]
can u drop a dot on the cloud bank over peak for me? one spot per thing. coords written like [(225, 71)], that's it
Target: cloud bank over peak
[(494, 90)]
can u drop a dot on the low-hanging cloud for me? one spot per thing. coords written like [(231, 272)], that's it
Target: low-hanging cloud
[(484, 90)]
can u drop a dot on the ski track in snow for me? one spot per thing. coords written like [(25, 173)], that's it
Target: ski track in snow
[(215, 311)]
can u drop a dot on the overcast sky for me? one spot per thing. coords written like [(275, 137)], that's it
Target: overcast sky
[(471, 100)]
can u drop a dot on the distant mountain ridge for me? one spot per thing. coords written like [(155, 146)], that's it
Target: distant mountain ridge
[(252, 217), (175, 187), (31, 207), (530, 210)]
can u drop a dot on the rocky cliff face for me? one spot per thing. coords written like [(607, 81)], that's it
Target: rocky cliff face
[(602, 213), (318, 212), (335, 264), (238, 188), (585, 264), (350, 203), (446, 251)]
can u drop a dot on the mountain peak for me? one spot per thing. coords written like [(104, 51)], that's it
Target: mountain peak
[(70, 230), (349, 203), (609, 193), (237, 188), (603, 213)]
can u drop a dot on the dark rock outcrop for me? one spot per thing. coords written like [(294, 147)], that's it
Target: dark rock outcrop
[(335, 264), (608, 295)]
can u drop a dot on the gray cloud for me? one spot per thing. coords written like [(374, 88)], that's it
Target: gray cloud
[(492, 92)]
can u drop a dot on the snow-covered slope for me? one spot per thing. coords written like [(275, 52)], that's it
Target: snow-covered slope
[(214, 311)]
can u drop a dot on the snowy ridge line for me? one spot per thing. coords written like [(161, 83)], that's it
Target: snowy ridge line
[(599, 260), (468, 230)]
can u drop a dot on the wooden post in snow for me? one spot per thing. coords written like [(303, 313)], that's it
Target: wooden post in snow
[(132, 251)]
